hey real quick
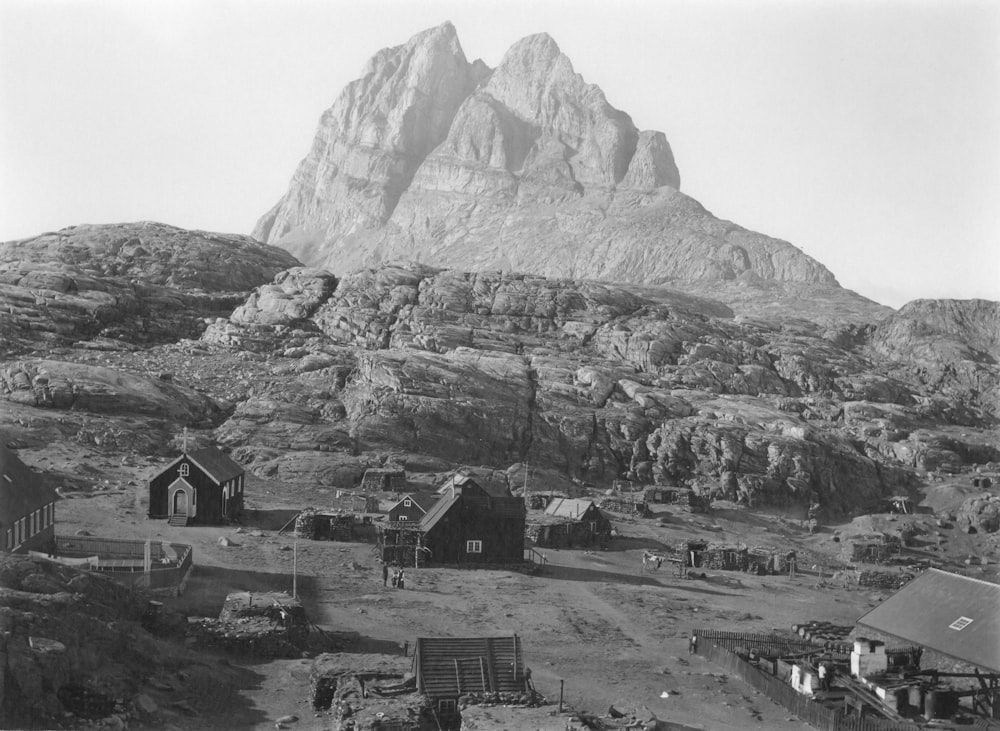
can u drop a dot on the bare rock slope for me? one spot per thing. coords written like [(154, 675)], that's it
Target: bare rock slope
[(525, 167), (137, 282)]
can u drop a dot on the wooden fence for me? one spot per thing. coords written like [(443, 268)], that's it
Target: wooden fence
[(160, 579), (775, 688), (771, 645)]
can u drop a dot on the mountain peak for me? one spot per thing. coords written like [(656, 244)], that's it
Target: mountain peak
[(526, 168)]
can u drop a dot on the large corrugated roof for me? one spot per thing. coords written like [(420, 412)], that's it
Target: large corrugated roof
[(945, 612)]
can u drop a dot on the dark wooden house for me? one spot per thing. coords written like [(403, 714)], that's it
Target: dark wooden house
[(27, 507), (204, 487), (449, 667), (468, 524), (568, 522), (412, 508)]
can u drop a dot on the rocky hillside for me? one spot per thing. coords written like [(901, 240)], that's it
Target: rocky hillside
[(312, 377), (525, 167), (137, 282)]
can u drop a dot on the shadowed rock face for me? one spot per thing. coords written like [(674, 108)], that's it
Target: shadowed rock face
[(523, 168)]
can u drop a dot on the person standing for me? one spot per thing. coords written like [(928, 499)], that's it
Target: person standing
[(401, 579), (385, 573), (824, 679), (693, 644), (395, 578)]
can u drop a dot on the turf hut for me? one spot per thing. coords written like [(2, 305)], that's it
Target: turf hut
[(384, 479)]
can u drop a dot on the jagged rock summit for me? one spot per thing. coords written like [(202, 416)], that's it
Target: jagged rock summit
[(432, 158)]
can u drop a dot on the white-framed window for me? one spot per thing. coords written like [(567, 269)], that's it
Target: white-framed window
[(447, 705), (473, 546), (9, 540), (185, 469), (960, 623), (20, 531), (404, 517), (407, 503)]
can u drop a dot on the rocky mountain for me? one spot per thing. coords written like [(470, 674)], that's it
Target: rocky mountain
[(525, 167)]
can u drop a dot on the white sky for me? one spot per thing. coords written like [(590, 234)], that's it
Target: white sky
[(866, 133)]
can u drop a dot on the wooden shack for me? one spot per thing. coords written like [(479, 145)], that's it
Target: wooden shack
[(27, 507), (204, 487), (568, 522), (450, 667)]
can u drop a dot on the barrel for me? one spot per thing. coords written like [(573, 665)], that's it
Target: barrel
[(931, 703), (916, 699)]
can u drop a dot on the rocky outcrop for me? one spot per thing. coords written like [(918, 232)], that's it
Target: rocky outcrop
[(526, 168), (137, 283), (953, 346), (62, 385), (941, 331), (587, 381)]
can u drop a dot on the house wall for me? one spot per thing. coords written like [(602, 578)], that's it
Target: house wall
[(412, 513), (501, 536), (34, 531)]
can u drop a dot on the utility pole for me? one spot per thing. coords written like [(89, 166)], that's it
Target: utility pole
[(295, 568)]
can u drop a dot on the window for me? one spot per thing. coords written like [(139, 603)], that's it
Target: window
[(9, 539), (473, 546), (184, 470), (407, 503), (960, 624), (447, 705), (404, 517)]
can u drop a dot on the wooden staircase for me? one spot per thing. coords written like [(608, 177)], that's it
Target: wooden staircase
[(178, 520)]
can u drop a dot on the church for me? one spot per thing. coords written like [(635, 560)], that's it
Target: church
[(204, 487)]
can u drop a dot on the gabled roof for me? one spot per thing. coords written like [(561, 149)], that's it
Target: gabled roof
[(422, 500), (461, 479), (438, 511), (951, 614), (22, 490), (569, 507), (447, 667), (212, 461)]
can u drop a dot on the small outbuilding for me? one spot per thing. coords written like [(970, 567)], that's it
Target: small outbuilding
[(384, 479), (204, 487), (27, 507), (571, 522), (450, 667)]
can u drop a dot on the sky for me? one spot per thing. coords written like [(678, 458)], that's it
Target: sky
[(865, 132)]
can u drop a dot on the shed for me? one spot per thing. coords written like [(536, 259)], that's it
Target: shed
[(384, 479), (204, 487), (27, 506), (448, 667), (569, 522), (955, 615)]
